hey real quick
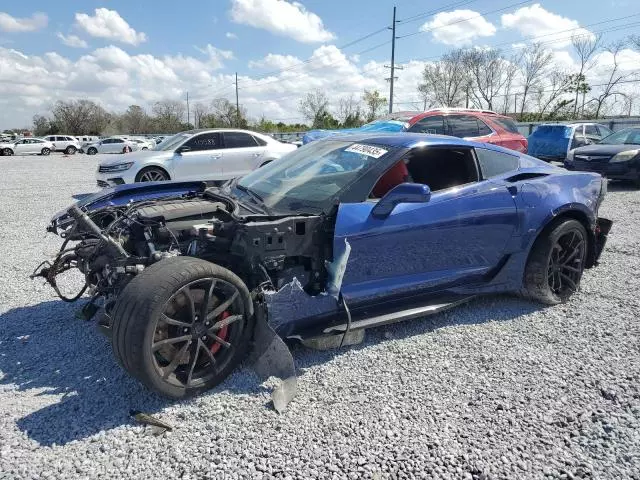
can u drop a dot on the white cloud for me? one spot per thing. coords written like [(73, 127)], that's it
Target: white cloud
[(289, 19), (275, 61), (72, 40), (109, 24), (216, 55), (535, 21), (231, 35), (12, 24), (458, 27)]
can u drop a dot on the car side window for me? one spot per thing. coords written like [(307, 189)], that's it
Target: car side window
[(238, 140), (462, 126), (442, 168), (483, 128), (433, 125), (590, 130), (117, 140), (493, 163), (260, 141), (205, 141), (604, 131)]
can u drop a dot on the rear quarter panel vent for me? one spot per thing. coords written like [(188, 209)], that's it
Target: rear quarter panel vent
[(526, 176)]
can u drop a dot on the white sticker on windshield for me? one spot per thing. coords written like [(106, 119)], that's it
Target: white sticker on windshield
[(368, 150)]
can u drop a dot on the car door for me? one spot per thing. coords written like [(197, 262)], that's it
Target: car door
[(104, 145), (117, 145), (456, 238), (242, 154), (22, 147), (60, 143), (200, 158)]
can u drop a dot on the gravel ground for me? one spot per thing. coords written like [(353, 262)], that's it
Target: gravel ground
[(499, 388)]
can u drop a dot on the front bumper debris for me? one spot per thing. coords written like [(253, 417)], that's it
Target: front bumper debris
[(272, 358), (603, 226)]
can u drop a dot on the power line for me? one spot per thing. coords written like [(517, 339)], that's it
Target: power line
[(419, 32), (419, 16)]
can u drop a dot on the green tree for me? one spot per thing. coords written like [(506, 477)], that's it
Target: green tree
[(374, 102)]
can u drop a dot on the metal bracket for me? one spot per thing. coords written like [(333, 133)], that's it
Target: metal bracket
[(272, 358)]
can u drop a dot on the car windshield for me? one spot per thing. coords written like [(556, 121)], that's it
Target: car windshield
[(629, 136), (171, 143), (313, 175)]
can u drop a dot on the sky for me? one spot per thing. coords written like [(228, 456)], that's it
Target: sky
[(119, 53)]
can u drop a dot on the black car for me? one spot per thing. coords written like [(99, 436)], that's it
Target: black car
[(616, 156)]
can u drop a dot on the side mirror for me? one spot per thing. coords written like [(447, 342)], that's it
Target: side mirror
[(183, 149), (403, 193)]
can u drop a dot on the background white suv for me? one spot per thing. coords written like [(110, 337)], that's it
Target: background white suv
[(218, 154), (112, 145), (64, 143)]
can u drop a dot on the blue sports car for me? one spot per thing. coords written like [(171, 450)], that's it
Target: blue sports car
[(339, 236)]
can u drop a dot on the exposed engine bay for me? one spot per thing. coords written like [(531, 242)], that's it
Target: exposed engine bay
[(110, 245)]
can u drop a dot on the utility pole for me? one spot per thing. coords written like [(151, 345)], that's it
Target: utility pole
[(188, 117), (237, 104), (393, 59)]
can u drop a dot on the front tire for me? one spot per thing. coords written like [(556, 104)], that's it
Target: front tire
[(92, 151), (45, 152), (556, 263), (152, 174), (182, 325), (70, 150)]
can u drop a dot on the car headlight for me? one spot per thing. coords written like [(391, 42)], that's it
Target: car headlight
[(120, 167), (624, 156)]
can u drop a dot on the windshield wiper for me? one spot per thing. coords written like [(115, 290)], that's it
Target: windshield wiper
[(256, 197)]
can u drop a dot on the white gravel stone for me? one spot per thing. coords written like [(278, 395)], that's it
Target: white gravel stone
[(499, 388)]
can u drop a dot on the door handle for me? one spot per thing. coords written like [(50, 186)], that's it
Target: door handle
[(257, 154), (216, 155)]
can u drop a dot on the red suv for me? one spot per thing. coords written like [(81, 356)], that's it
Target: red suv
[(477, 125)]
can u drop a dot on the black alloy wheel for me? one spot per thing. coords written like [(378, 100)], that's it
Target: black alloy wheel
[(195, 333), (556, 262), (565, 264)]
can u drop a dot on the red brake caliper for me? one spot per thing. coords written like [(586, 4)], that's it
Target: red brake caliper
[(222, 333)]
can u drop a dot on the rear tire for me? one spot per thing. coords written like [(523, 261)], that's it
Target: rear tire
[(92, 151), (45, 151), (153, 310), (70, 150), (556, 263), (7, 152)]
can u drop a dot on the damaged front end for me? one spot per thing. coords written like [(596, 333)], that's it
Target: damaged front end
[(112, 242)]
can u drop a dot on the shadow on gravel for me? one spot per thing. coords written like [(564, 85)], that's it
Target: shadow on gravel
[(622, 186), (44, 348), (80, 196), (497, 308)]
